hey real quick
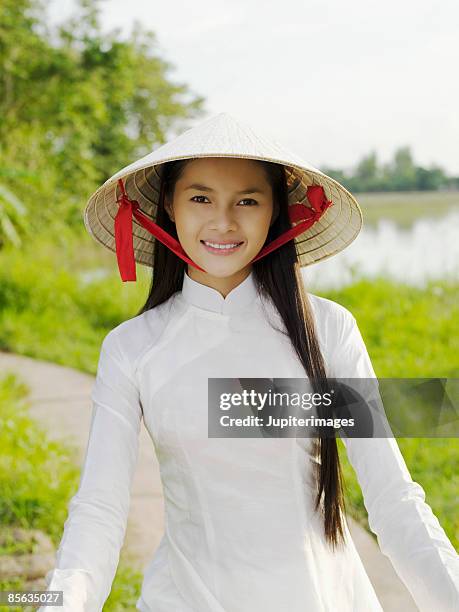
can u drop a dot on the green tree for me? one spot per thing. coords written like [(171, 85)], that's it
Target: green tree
[(430, 178), (401, 172), (78, 104), (367, 172)]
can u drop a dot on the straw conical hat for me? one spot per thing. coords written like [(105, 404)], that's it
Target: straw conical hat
[(222, 135)]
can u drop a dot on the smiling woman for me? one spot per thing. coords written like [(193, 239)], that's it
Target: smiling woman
[(253, 525)]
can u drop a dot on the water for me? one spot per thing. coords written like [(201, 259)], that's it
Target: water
[(428, 250)]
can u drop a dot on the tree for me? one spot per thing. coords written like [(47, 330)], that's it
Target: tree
[(402, 171), (367, 173), (430, 178), (78, 104)]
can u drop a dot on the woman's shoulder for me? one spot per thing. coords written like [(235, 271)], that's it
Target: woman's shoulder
[(335, 324), (340, 339), (134, 336), (328, 313)]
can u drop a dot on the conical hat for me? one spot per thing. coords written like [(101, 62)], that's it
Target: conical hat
[(223, 135)]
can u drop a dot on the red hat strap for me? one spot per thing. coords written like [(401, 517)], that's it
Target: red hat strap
[(301, 214), (305, 215), (124, 240)]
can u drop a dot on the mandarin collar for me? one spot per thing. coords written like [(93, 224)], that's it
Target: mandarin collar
[(238, 299)]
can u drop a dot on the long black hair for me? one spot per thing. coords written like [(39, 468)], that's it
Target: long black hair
[(277, 275)]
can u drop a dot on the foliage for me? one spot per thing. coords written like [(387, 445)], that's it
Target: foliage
[(48, 312), (409, 331), (37, 478), (36, 474), (76, 105), (12, 217)]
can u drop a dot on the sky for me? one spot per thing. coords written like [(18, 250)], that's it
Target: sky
[(331, 80)]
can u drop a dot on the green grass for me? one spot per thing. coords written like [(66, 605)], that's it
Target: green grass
[(48, 313), (37, 479), (408, 331), (411, 332), (36, 474)]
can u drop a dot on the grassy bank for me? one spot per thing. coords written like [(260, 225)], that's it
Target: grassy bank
[(37, 479), (411, 333)]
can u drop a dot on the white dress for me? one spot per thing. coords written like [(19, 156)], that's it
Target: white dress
[(240, 533)]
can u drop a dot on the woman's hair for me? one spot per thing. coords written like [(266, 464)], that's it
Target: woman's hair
[(278, 275)]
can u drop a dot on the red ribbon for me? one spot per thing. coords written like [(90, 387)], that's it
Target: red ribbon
[(124, 241), (303, 215)]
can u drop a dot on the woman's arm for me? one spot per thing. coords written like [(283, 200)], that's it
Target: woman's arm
[(88, 554), (408, 532)]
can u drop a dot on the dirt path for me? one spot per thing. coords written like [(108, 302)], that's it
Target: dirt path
[(60, 400)]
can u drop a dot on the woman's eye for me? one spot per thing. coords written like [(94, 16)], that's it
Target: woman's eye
[(251, 201)]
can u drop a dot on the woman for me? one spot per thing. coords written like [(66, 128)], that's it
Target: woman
[(251, 524)]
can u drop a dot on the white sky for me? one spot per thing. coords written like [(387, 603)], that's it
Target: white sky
[(331, 79)]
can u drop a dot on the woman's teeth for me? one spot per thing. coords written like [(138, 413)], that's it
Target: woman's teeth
[(215, 245), (221, 249)]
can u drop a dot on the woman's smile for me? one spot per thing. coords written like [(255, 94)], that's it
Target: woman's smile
[(221, 248)]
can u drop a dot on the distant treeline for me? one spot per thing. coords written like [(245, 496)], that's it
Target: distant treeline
[(400, 174)]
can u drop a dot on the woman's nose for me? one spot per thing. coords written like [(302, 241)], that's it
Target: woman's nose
[(222, 220)]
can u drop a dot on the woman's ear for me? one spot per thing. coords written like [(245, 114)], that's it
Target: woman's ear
[(275, 213), (169, 209)]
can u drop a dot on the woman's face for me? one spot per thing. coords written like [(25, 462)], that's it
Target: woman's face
[(222, 201)]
